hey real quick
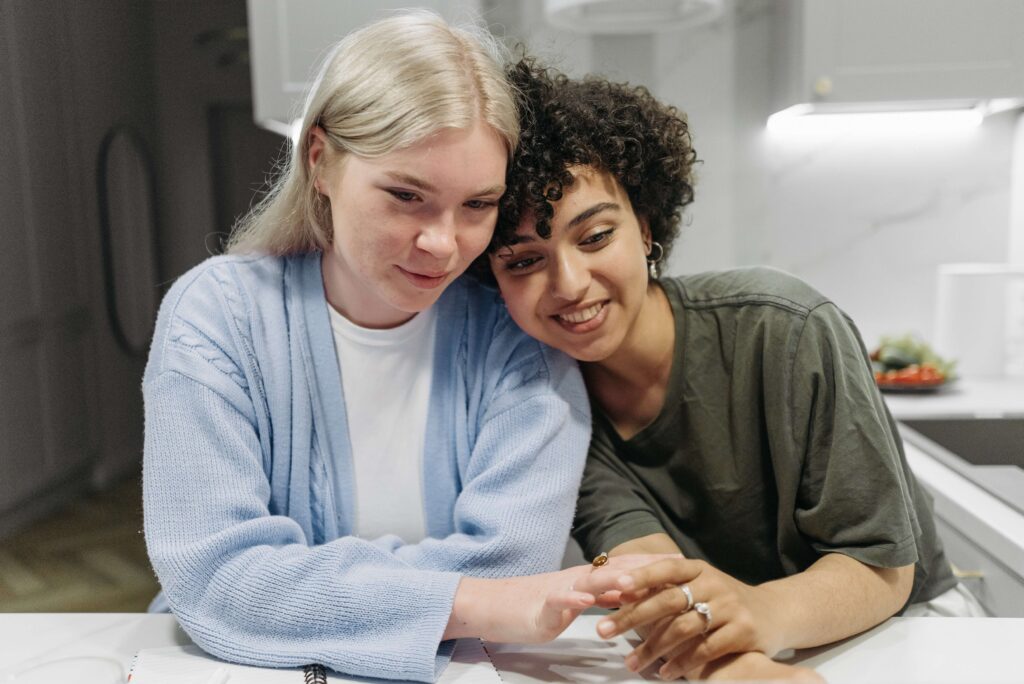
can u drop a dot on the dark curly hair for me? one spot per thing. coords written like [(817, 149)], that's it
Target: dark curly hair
[(613, 127)]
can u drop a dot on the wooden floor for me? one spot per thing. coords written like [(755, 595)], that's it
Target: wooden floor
[(90, 557)]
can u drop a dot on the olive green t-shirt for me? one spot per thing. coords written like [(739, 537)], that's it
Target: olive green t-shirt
[(773, 446)]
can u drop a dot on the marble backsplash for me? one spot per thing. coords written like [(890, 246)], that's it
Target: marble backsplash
[(867, 220)]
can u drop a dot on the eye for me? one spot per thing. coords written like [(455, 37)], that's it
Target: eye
[(519, 265), (598, 238), (403, 195), (479, 204)]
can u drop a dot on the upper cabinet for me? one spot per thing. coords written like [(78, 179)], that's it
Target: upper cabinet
[(898, 51), (289, 38)]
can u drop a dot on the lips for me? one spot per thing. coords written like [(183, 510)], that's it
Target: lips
[(582, 320), (424, 281), (584, 315)]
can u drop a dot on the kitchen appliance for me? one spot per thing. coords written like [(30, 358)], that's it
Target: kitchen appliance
[(979, 318)]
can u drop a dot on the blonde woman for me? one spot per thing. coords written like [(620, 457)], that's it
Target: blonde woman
[(346, 443)]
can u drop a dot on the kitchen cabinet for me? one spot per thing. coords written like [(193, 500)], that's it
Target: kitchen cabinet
[(288, 40), (978, 516), (70, 404), (850, 52)]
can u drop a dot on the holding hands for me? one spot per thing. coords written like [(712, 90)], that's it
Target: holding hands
[(536, 608), (690, 613)]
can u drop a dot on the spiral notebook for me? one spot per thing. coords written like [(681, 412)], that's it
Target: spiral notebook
[(190, 665)]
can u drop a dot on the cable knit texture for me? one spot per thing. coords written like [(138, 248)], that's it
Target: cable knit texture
[(248, 483)]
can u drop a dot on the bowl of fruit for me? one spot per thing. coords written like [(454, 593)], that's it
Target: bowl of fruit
[(906, 364)]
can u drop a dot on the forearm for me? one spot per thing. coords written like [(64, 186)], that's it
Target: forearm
[(652, 543), (834, 598)]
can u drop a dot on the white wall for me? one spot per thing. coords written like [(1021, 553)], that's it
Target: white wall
[(867, 221)]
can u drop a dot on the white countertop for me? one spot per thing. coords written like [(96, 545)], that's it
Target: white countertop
[(904, 650), (964, 398)]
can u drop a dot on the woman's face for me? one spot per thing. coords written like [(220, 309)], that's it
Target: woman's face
[(408, 223), (582, 289)]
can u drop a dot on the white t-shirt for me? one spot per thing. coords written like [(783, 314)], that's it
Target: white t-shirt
[(386, 377)]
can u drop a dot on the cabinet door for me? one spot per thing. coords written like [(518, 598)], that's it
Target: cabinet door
[(883, 50), (288, 39), (998, 587), (45, 320)]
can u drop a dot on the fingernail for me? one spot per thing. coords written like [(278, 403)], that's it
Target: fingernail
[(631, 663), (605, 627), (665, 673), (627, 582)]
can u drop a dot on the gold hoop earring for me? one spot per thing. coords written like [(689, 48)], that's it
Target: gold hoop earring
[(652, 261)]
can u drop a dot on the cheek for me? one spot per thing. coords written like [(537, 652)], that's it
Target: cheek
[(473, 243), (522, 299)]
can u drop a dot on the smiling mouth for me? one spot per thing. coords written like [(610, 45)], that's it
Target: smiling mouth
[(577, 317)]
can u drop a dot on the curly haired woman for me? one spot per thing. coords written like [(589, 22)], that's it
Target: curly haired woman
[(735, 415)]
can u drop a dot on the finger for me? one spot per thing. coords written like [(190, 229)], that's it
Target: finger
[(599, 581), (637, 596), (569, 599), (629, 561), (676, 634), (668, 601), (553, 622), (609, 599), (667, 571), (716, 644)]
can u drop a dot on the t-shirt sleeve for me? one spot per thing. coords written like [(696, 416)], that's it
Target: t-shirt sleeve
[(613, 507), (852, 495)]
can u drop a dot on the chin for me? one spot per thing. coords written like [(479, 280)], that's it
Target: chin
[(588, 353)]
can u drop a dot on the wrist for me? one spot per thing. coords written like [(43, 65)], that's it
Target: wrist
[(775, 620), (466, 618)]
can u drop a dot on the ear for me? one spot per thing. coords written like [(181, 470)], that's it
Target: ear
[(317, 144), (645, 233)]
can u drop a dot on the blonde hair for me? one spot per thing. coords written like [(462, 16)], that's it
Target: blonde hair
[(382, 88)]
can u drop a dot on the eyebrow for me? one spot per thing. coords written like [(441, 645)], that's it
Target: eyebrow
[(587, 213), (421, 184), (576, 220)]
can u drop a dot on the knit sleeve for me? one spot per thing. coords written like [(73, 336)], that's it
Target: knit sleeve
[(247, 585), (519, 485), (243, 579)]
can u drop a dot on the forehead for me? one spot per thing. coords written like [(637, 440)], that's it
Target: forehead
[(590, 187), (475, 155)]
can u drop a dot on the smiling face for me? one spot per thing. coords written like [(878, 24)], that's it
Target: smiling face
[(406, 224), (582, 289)]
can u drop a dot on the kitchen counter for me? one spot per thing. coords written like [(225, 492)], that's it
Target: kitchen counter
[(964, 398), (98, 648), (965, 444)]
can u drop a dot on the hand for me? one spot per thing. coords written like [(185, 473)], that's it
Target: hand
[(754, 667), (741, 616), (536, 608), (556, 599)]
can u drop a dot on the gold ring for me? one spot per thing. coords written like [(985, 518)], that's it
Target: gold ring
[(600, 559)]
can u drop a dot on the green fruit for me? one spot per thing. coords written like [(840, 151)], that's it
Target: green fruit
[(894, 358)]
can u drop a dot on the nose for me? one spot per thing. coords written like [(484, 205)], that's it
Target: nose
[(570, 279), (437, 238)]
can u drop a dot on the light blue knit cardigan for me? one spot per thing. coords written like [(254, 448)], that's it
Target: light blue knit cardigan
[(248, 475)]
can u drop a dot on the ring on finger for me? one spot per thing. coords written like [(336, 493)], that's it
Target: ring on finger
[(685, 588), (705, 610)]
